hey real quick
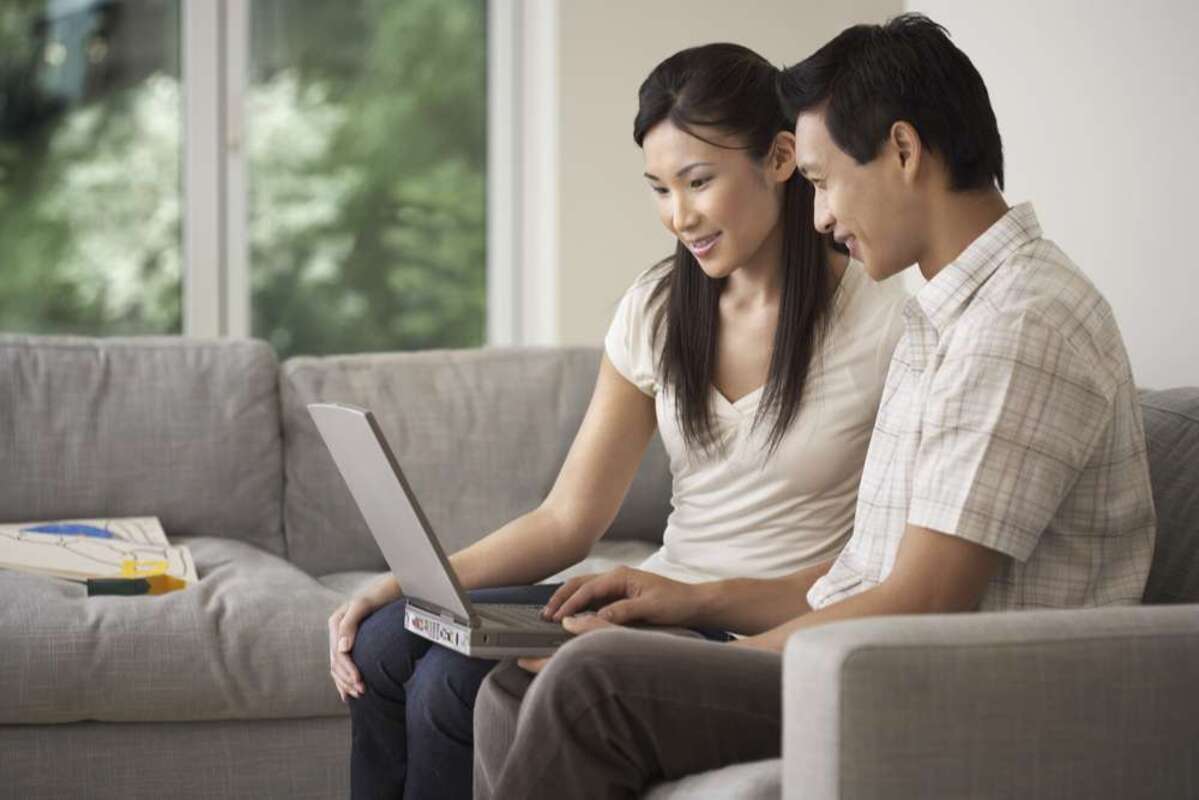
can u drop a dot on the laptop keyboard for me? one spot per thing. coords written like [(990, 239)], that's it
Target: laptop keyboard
[(516, 616)]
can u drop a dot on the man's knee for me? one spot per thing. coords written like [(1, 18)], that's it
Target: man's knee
[(588, 669), (498, 701)]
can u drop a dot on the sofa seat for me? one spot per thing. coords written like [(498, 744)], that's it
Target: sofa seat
[(248, 641)]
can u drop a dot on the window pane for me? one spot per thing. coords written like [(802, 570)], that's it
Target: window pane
[(366, 124), (90, 138)]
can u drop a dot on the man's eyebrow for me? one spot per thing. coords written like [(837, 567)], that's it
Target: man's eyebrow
[(683, 171)]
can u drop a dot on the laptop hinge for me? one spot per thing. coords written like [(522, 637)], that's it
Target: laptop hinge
[(444, 613)]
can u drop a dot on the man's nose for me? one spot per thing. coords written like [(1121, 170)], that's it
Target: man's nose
[(822, 218)]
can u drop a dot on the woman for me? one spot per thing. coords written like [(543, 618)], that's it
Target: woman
[(756, 350)]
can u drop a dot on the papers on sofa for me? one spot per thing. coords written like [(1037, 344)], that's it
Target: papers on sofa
[(131, 547)]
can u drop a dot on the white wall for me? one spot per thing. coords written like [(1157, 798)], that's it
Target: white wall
[(1098, 106), (605, 227)]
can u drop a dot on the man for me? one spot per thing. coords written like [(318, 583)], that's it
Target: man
[(1006, 470)]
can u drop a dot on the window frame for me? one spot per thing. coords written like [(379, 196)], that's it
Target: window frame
[(216, 287)]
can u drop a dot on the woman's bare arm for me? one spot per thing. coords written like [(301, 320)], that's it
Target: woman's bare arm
[(590, 487)]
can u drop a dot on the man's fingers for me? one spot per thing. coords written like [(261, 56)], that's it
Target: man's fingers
[(606, 585), (584, 623), (564, 591), (533, 665), (622, 612)]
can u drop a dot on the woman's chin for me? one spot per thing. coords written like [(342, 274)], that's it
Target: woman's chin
[(714, 269)]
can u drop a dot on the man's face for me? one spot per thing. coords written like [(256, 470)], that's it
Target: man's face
[(870, 208)]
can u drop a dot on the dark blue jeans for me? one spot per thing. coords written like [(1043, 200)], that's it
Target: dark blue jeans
[(413, 732)]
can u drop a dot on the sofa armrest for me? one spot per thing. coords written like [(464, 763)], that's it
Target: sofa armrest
[(1062, 704)]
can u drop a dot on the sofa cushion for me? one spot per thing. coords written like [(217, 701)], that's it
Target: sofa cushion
[(1172, 434), (479, 434), (186, 430), (248, 641)]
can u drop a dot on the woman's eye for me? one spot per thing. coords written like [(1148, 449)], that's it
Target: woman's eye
[(658, 189), (699, 182)]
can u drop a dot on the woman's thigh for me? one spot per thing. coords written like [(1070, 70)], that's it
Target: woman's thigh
[(443, 684)]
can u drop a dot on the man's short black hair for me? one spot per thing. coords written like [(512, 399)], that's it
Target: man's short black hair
[(872, 76)]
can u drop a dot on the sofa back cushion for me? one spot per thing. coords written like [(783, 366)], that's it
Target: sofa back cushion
[(1172, 434), (480, 435), (186, 430)]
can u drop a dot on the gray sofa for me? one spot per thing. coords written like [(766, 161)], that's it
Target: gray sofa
[(222, 690)]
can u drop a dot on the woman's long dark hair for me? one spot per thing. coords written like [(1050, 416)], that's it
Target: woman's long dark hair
[(733, 89)]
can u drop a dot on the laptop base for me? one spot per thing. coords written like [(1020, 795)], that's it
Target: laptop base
[(481, 642)]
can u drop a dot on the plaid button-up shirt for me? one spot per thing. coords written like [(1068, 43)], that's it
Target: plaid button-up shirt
[(1009, 418)]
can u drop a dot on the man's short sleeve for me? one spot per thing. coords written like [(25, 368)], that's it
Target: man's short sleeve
[(629, 343), (1012, 417)]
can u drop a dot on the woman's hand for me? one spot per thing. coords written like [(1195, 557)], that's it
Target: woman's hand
[(343, 627), (625, 595)]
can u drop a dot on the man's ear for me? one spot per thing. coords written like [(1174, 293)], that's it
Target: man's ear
[(780, 162), (907, 147)]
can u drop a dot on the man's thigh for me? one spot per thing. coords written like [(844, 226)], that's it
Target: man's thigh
[(684, 704)]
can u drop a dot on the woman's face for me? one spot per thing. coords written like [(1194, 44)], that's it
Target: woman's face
[(723, 204)]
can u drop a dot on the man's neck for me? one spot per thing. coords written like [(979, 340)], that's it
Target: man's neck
[(956, 220)]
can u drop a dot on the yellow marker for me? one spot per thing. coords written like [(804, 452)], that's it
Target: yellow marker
[(161, 584)]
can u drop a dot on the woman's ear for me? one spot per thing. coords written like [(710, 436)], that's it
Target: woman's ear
[(780, 163)]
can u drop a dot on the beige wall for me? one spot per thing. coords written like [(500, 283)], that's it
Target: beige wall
[(1098, 106), (607, 228)]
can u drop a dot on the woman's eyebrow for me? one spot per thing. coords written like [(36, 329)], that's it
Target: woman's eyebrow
[(682, 171)]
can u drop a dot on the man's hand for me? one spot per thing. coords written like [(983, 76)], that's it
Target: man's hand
[(577, 625), (625, 595)]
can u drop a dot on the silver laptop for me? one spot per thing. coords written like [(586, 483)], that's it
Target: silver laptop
[(437, 607)]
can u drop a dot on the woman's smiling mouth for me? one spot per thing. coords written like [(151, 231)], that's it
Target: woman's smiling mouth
[(702, 246)]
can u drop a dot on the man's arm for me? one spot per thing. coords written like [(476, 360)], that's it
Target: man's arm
[(934, 573), (755, 605)]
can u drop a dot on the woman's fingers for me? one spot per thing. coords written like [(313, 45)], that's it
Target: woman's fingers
[(341, 690), (343, 625)]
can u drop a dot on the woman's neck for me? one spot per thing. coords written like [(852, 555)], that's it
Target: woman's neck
[(758, 284)]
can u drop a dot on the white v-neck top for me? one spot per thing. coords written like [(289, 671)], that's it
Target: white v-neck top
[(741, 513)]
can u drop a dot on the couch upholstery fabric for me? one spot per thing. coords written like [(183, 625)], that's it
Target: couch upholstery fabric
[(480, 436), (248, 641), (185, 430), (1172, 434)]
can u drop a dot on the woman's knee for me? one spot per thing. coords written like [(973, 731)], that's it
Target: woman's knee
[(383, 651)]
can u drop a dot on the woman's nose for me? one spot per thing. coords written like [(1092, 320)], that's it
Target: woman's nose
[(683, 215)]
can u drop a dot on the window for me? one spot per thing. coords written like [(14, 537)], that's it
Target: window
[(362, 156), (90, 138)]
